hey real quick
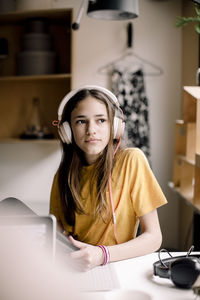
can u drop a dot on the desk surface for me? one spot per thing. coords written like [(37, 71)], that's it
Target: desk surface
[(137, 273)]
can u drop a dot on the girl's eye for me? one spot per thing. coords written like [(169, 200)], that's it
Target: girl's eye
[(101, 120), (80, 122)]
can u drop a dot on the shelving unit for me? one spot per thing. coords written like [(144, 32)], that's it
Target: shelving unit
[(186, 169), (17, 92), (27, 141)]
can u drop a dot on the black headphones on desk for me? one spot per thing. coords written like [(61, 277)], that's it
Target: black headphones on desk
[(182, 270)]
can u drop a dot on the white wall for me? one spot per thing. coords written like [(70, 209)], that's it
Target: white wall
[(27, 171), (95, 44)]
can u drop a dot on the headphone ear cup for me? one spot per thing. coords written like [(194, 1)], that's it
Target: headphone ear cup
[(184, 272), (118, 128), (65, 133)]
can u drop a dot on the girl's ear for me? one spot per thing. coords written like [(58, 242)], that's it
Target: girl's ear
[(65, 133), (118, 128)]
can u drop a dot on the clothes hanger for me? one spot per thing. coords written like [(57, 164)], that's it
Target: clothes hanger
[(126, 59)]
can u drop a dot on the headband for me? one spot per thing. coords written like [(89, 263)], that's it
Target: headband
[(85, 87)]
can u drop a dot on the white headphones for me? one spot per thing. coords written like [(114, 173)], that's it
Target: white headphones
[(64, 129)]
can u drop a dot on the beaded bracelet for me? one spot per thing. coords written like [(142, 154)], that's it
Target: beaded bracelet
[(105, 253)]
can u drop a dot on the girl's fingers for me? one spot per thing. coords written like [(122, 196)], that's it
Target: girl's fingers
[(77, 254), (87, 256), (77, 243)]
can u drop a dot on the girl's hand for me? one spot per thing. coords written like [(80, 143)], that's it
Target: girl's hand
[(88, 256)]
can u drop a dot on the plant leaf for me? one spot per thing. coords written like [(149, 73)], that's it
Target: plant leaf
[(197, 9), (182, 21), (197, 28)]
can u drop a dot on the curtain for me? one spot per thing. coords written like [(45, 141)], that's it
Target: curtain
[(129, 88)]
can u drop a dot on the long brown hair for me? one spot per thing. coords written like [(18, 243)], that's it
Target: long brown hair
[(73, 160)]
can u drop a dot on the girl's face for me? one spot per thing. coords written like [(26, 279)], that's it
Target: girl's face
[(91, 127)]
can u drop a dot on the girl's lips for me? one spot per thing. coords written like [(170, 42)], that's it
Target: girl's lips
[(92, 140)]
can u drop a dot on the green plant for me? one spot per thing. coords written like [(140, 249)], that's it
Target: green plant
[(182, 21)]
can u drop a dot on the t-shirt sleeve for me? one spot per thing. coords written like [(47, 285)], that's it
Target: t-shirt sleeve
[(146, 193)]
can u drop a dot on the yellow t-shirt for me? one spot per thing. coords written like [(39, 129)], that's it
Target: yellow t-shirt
[(135, 192)]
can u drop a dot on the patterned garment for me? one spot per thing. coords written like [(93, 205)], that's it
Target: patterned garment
[(130, 91)]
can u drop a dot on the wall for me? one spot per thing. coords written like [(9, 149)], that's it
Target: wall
[(190, 46), (95, 44), (27, 171)]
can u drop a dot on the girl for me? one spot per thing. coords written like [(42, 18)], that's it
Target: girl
[(101, 192)]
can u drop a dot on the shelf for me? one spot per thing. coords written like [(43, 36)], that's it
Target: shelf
[(198, 129), (18, 90), (196, 207), (185, 159), (58, 23), (51, 77), (194, 91), (186, 169), (191, 97), (28, 141), (197, 185), (18, 16), (185, 139)]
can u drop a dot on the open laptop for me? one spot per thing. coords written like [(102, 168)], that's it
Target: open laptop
[(37, 230), (42, 231)]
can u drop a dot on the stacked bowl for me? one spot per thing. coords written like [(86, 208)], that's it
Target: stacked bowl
[(37, 55)]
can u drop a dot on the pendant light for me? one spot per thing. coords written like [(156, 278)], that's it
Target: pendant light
[(108, 10), (113, 9)]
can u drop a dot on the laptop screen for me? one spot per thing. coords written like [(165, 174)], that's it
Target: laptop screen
[(37, 230)]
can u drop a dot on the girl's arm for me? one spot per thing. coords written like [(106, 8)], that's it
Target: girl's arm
[(149, 241)]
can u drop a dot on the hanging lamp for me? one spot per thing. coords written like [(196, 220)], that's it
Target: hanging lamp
[(113, 9), (108, 10)]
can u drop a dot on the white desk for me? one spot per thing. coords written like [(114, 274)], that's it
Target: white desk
[(137, 274)]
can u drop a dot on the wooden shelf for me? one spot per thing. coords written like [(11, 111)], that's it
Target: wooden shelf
[(186, 170), (191, 95), (17, 91), (185, 159), (49, 77), (20, 16), (185, 139), (188, 200), (193, 91), (58, 23), (198, 129), (28, 141)]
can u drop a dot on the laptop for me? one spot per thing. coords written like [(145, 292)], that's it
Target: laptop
[(41, 230), (38, 230)]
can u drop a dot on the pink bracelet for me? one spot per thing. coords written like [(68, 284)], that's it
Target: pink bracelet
[(105, 253), (108, 254)]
